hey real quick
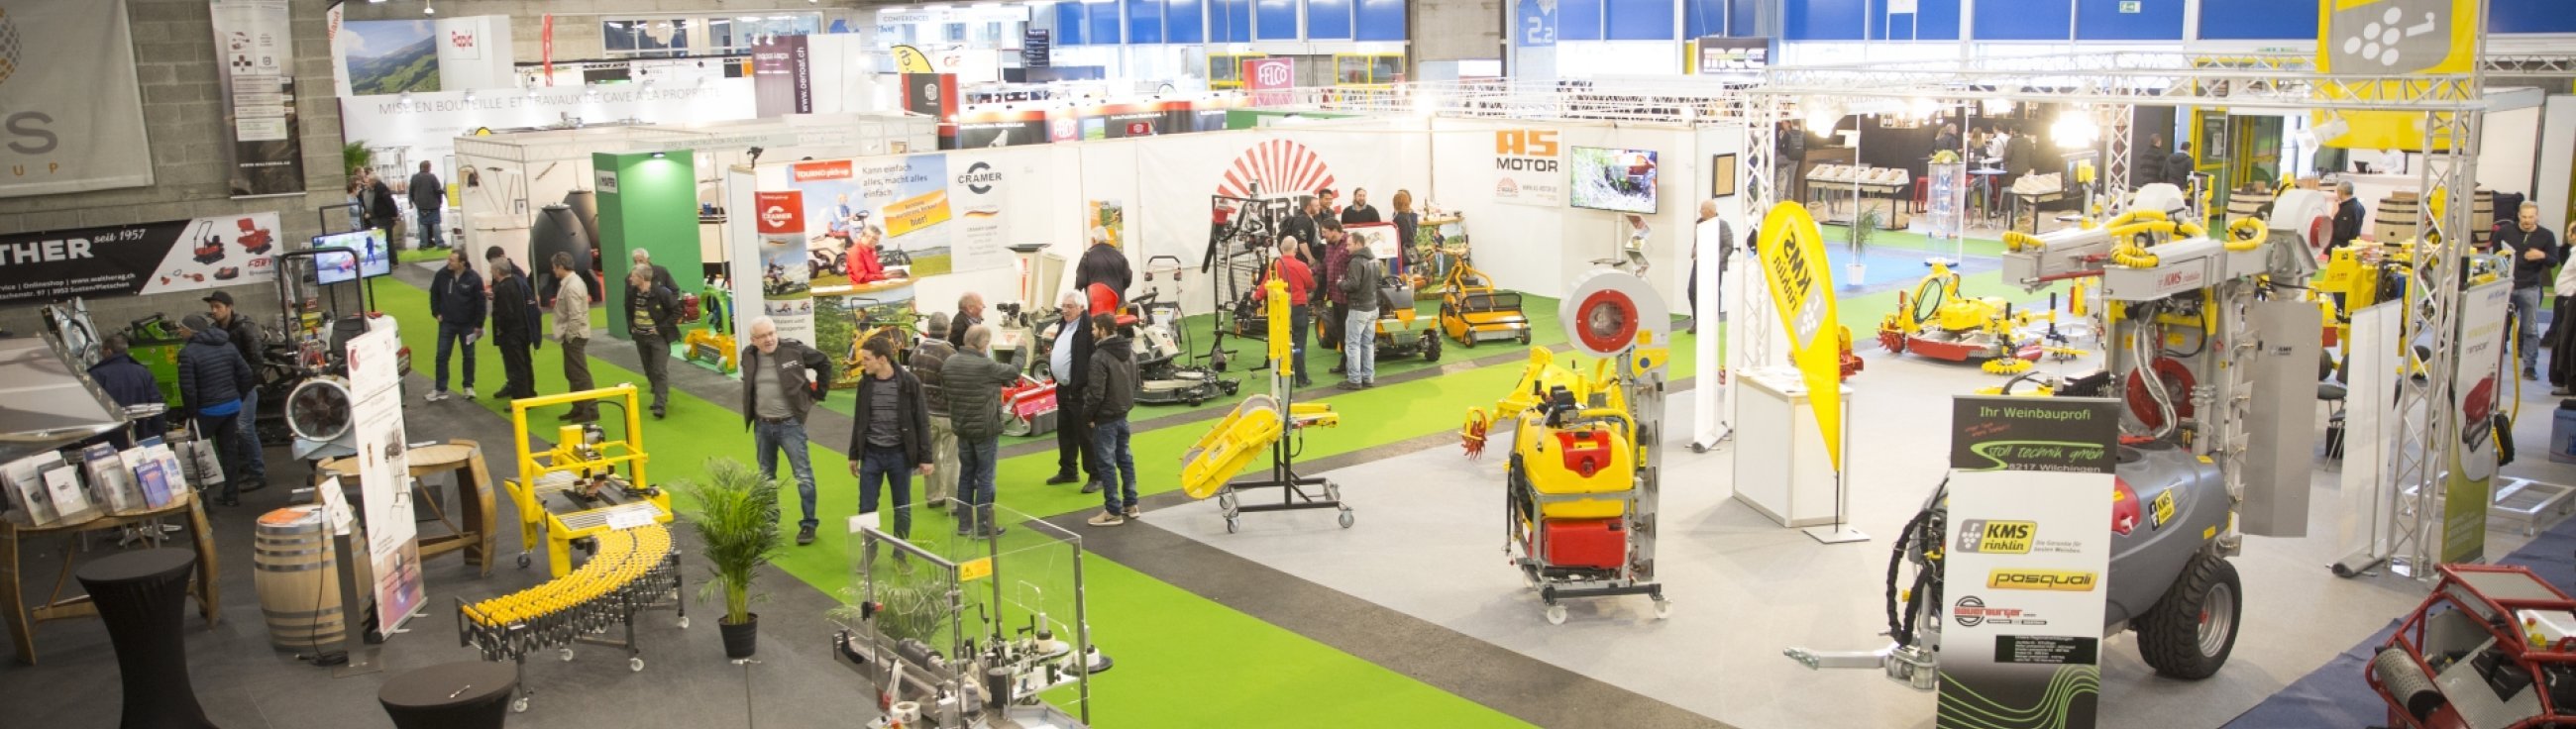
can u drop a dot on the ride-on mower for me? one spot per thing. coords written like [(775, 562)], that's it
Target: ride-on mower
[(1402, 330), (1471, 311)]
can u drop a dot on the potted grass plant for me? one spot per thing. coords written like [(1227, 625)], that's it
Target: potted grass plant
[(737, 523), (1864, 226)]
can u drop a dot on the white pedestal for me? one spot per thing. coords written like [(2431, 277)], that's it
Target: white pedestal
[(1781, 467)]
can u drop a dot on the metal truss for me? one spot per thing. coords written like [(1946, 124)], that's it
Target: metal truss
[(2529, 67), (2275, 82), (1667, 101), (2433, 319)]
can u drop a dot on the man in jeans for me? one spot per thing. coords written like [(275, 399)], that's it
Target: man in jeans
[(892, 435), (428, 197), (972, 382), (654, 313), (1111, 394), (779, 379), (456, 301), (927, 356), (2534, 251), (1359, 330), (572, 329), (248, 341)]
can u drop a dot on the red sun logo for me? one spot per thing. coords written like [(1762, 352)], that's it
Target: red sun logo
[(1275, 168)]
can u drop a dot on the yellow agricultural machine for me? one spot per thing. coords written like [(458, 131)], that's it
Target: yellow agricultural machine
[(1259, 423)]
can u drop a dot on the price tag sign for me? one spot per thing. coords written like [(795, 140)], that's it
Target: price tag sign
[(630, 518)]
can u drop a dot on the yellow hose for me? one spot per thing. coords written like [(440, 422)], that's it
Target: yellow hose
[(2017, 241), (2244, 235)]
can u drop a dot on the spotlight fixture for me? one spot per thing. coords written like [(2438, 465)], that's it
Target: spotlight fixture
[(425, 9), (659, 155)]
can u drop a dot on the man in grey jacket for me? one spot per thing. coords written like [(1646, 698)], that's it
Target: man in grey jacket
[(780, 385), (927, 355), (972, 382)]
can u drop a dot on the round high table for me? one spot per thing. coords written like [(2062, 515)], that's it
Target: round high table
[(462, 695), (139, 595)]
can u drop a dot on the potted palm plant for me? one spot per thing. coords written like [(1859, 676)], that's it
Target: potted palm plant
[(1864, 225), (737, 521)]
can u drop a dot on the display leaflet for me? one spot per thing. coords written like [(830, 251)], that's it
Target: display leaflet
[(2481, 388), (2029, 497)]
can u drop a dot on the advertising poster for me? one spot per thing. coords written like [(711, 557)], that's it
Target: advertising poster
[(390, 56), (981, 239), (1110, 216), (73, 109), (786, 288), (782, 76), (875, 222), (1268, 79), (2480, 391), (1001, 128), (257, 84), (934, 95), (384, 474), (142, 258), (2030, 490), (1529, 167)]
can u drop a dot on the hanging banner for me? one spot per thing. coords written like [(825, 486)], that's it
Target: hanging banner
[(384, 473), (782, 74), (71, 113), (2392, 38), (256, 79), (977, 194), (1269, 79), (1528, 167), (2479, 392), (786, 280), (2031, 488), (142, 258), (1802, 290)]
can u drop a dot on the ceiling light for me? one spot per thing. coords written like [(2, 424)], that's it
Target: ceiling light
[(659, 155), (425, 9)]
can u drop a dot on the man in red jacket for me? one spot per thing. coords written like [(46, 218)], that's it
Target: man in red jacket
[(1300, 280)]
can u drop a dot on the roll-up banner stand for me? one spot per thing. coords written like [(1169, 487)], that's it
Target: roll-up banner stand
[(2031, 491), (384, 474), (255, 61)]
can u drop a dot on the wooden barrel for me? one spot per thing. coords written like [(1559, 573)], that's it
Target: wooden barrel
[(298, 590), (2397, 219), (2241, 205), (2482, 216)]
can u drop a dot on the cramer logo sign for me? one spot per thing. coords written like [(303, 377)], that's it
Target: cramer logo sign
[(1529, 167), (1996, 537), (2043, 580), (980, 178)]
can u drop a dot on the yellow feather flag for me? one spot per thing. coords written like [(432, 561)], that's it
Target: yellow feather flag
[(908, 59), (1802, 290)]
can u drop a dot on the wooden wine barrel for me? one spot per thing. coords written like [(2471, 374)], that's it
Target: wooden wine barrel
[(2241, 205), (2482, 216), (298, 590), (2399, 218)]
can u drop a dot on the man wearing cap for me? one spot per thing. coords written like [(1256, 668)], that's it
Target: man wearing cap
[(246, 340), (212, 379), (515, 325)]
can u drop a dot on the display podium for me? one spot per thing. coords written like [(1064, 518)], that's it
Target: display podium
[(1775, 420)]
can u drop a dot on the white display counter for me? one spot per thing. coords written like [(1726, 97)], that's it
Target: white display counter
[(1796, 490)]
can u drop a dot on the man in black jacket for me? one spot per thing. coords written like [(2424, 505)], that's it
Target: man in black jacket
[(892, 432), (382, 213), (653, 319), (928, 354), (212, 378), (456, 301), (970, 314), (515, 325), (2534, 252), (972, 383), (129, 383), (780, 385), (1103, 264), (247, 340), (1067, 359), (428, 199), (1111, 395), (1359, 211), (1301, 224), (2347, 217)]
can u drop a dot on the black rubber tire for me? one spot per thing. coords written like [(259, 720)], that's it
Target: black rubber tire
[(1430, 347), (2169, 634)]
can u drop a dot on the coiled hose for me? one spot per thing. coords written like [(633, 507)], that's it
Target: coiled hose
[(1901, 626)]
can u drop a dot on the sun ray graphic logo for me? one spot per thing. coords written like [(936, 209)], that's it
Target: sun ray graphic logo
[(8, 46), (1275, 168)]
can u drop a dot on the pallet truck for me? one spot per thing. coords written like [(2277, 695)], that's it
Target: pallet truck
[(1263, 422)]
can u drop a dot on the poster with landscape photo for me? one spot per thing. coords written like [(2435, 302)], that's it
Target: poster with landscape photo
[(392, 56)]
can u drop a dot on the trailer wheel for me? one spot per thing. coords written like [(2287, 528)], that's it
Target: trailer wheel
[(2189, 632)]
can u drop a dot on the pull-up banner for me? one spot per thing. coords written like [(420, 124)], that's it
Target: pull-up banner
[(255, 54), (2030, 495), (71, 116), (143, 258)]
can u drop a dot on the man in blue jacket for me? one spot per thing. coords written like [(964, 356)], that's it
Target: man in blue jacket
[(456, 301), (212, 378), (129, 383)]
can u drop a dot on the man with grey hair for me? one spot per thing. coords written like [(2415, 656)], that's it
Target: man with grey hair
[(1066, 360), (973, 384), (970, 313), (782, 379), (927, 355), (653, 319), (2347, 217), (1104, 265), (661, 276), (2534, 251)]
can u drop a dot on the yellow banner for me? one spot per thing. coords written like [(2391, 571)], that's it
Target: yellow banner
[(916, 212), (908, 59), (2392, 38), (1802, 290)]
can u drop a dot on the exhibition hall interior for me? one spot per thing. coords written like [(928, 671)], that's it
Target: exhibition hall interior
[(1179, 364)]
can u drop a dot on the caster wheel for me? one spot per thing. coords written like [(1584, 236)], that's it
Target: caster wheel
[(1556, 615), (1663, 608), (1225, 502), (1699, 448), (1347, 518), (1232, 524), (635, 664), (519, 706), (523, 560), (566, 654), (684, 622)]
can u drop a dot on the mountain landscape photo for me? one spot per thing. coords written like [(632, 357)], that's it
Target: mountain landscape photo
[(392, 57)]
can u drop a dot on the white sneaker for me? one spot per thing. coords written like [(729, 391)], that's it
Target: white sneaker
[(434, 396), (469, 393)]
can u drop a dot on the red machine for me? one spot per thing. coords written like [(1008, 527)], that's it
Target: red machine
[(1032, 406), (2489, 648), (690, 309), (253, 239), (210, 247)]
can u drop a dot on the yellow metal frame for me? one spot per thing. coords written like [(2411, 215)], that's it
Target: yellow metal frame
[(1256, 423), (1233, 64), (628, 452), (1368, 69)]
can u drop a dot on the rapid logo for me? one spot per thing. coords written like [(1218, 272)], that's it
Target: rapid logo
[(2045, 580), (1996, 537)]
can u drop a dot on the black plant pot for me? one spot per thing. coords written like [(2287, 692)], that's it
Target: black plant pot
[(741, 640)]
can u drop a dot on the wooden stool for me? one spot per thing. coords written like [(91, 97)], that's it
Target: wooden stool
[(462, 695)]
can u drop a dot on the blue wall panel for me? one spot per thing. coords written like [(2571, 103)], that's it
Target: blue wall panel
[(1068, 24), (1328, 19), (2025, 20), (1641, 20), (1229, 21), (2529, 16), (1381, 20), (2259, 20), (1807, 20), (1144, 21), (1278, 19), (1104, 23), (2156, 20), (1740, 13), (1578, 20), (1703, 18), (1181, 22), (1936, 20)]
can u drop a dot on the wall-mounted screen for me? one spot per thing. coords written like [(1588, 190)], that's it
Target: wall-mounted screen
[(1621, 180)]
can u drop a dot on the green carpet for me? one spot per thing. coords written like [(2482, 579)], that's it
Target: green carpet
[(1164, 638)]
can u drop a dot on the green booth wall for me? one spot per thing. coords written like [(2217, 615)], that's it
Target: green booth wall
[(649, 202)]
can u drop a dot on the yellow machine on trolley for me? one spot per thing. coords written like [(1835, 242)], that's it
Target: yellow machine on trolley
[(575, 490), (1263, 422), (1583, 488), (1936, 321)]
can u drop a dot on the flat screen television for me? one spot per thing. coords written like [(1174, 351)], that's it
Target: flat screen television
[(1621, 180), (335, 266), (374, 257)]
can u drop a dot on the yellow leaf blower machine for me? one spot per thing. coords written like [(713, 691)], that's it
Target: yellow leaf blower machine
[(1582, 490), (1264, 422)]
